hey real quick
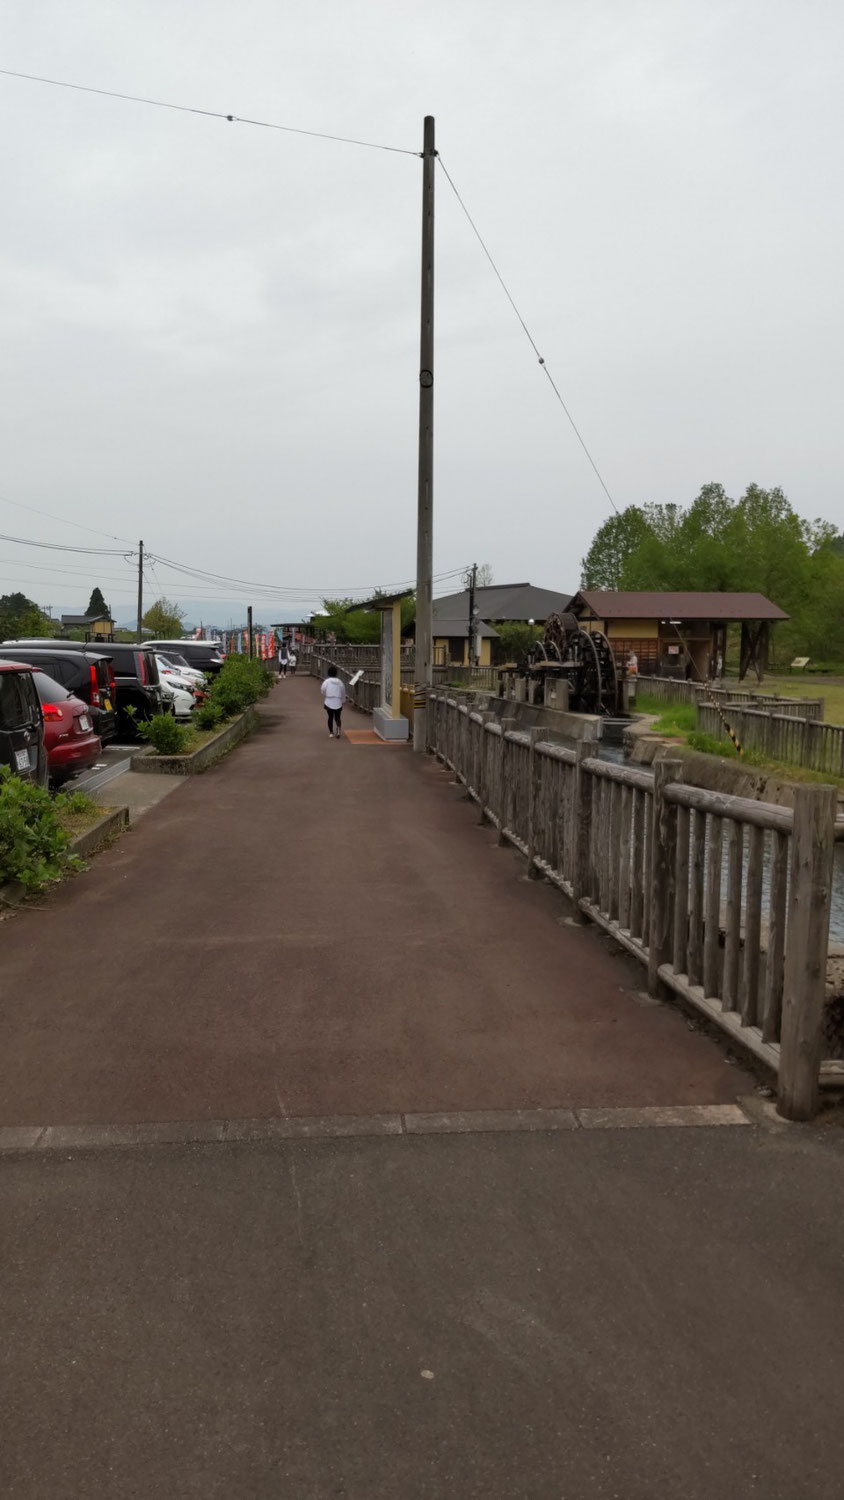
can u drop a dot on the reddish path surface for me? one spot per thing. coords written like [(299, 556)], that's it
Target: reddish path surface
[(320, 928)]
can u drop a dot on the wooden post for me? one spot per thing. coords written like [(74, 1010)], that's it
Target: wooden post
[(483, 769), (581, 830), (506, 781), (807, 942), (663, 833), (534, 772)]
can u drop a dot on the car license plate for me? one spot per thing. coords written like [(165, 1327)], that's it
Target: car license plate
[(107, 705), (22, 760), (84, 722)]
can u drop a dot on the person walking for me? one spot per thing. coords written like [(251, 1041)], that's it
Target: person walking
[(283, 659), (333, 696), (292, 658)]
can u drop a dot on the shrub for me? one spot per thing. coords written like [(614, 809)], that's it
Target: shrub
[(241, 681), (208, 716), (76, 802), (33, 845), (165, 734)]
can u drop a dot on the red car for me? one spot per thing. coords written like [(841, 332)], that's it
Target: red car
[(69, 738)]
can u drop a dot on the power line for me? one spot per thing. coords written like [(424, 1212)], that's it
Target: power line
[(211, 114), (529, 336), (62, 521), (26, 541)]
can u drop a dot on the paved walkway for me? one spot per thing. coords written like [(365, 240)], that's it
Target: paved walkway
[(320, 928)]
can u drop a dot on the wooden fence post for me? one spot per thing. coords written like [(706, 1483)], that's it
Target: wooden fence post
[(662, 873), (483, 771), (582, 827), (807, 943), (534, 772), (506, 781)]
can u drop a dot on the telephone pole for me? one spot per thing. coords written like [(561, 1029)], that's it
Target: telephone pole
[(251, 631), (140, 589), (425, 501), (473, 583)]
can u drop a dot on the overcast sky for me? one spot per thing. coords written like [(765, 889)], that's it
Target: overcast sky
[(210, 331)]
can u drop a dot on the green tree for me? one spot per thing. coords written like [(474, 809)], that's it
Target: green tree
[(21, 617), (164, 619), (97, 604), (605, 564)]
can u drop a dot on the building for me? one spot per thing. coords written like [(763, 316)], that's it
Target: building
[(96, 627), (680, 634), (519, 603)]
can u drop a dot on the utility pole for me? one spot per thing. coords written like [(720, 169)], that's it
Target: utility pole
[(140, 589), (425, 502), (251, 633), (473, 583)]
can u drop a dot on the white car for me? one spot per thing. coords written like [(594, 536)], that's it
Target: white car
[(180, 694), (173, 666)]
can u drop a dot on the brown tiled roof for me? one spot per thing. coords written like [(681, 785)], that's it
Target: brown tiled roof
[(614, 605)]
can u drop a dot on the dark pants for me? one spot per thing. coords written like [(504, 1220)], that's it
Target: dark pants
[(335, 716)]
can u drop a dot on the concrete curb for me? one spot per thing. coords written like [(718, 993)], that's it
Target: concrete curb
[(111, 823), (198, 760), (342, 1127)]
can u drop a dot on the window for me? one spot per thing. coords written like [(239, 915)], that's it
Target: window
[(18, 703)]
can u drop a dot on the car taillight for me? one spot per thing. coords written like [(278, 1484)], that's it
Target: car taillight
[(143, 664), (113, 682), (95, 686), (52, 713)]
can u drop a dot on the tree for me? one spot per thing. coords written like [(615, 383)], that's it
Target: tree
[(164, 619), (97, 604), (483, 579), (605, 564), (20, 617)]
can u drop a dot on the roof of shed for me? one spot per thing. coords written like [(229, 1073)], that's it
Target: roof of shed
[(620, 605)]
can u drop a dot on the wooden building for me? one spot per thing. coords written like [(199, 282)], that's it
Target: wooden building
[(680, 634)]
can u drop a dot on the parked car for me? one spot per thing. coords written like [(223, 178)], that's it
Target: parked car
[(171, 662), (206, 656), (138, 686), (88, 675), (21, 724), (69, 738), (180, 696)]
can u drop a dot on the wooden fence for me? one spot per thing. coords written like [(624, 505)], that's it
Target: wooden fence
[(725, 900), (798, 742), (677, 690)]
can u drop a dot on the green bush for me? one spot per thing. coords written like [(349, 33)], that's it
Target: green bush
[(165, 734), (241, 681), (34, 848), (208, 716)]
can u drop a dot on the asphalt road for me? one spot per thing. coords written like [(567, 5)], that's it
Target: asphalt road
[(646, 1315)]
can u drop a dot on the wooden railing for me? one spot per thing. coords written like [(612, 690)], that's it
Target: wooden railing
[(678, 690), (726, 900), (778, 736)]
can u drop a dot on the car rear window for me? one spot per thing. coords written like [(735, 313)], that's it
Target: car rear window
[(17, 700), (48, 690)]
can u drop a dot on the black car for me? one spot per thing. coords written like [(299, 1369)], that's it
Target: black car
[(86, 674), (138, 685), (203, 656), (21, 724)]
